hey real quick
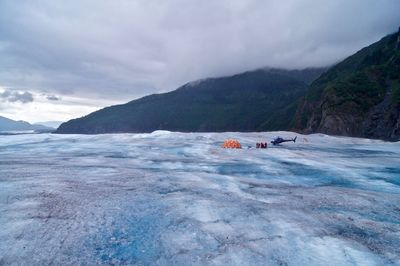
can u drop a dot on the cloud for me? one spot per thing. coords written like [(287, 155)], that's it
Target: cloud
[(52, 98), (15, 96), (121, 50)]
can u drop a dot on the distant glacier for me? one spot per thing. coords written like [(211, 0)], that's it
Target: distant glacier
[(180, 199)]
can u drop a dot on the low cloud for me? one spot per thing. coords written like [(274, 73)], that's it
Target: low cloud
[(101, 52), (120, 50), (16, 96)]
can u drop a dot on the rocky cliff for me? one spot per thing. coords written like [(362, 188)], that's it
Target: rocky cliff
[(358, 97)]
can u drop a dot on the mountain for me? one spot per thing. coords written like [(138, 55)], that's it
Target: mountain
[(258, 100), (358, 97), (52, 124), (7, 124)]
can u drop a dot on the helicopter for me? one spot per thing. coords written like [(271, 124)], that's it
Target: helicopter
[(279, 140)]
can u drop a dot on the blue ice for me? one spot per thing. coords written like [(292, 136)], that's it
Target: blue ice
[(178, 198)]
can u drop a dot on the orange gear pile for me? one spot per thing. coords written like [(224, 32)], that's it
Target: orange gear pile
[(232, 144)]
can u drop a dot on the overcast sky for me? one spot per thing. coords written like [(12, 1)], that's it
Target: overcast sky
[(63, 59)]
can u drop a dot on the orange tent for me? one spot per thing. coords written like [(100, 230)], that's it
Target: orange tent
[(231, 144)]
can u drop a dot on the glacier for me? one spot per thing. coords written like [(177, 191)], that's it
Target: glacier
[(170, 198)]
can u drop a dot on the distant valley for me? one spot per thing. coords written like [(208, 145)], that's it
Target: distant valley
[(9, 126)]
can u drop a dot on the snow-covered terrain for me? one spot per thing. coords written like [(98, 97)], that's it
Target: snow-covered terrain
[(180, 199)]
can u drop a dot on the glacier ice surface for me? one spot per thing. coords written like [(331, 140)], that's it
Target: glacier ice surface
[(179, 199)]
